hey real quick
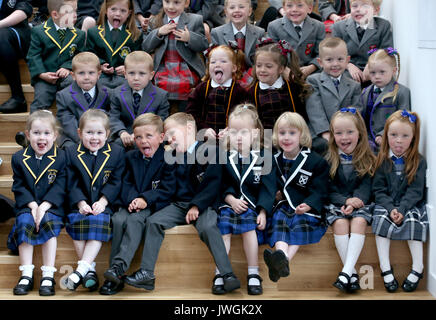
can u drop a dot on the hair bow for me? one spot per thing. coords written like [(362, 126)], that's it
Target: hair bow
[(406, 114), (264, 41), (284, 47), (352, 110), (233, 45), (370, 52), (208, 50), (391, 51)]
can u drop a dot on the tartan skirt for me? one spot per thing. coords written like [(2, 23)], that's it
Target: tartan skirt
[(295, 229), (231, 222), (23, 230), (334, 213), (413, 227), (89, 227)]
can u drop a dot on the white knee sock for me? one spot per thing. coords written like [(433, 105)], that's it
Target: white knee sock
[(218, 281), (47, 272), (26, 271), (341, 242), (253, 281), (383, 246), (355, 245), (416, 250)]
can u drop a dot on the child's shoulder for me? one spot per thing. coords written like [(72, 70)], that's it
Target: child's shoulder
[(382, 21), (315, 22), (315, 157), (256, 29)]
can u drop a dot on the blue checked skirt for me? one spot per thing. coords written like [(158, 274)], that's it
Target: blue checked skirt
[(294, 229), (230, 222), (23, 230), (413, 227), (89, 227), (334, 213)]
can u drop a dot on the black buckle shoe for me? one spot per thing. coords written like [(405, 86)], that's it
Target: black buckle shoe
[(13, 105), (23, 289), (70, 284), (254, 289), (390, 286), (141, 279), (218, 288), (114, 274), (272, 272), (409, 286), (47, 290), (109, 288), (90, 281), (231, 282), (354, 285), (340, 284), (280, 263)]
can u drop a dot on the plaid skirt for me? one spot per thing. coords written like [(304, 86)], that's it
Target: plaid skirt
[(23, 230), (295, 229), (334, 213), (413, 227), (89, 227)]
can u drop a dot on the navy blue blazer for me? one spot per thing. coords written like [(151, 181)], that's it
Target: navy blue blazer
[(307, 182), (256, 183), (154, 182), (46, 184), (90, 185)]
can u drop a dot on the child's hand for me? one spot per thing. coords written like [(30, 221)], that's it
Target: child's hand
[(182, 35), (355, 72), (238, 205), (261, 220), (210, 134), (137, 205), (84, 208), (63, 73), (279, 196), (223, 133), (144, 23), (378, 140), (354, 202), (308, 70), (192, 214), (33, 207), (366, 74), (99, 206), (302, 208), (326, 135), (120, 70), (127, 139), (40, 212), (105, 68), (166, 29), (49, 77), (347, 209), (396, 216)]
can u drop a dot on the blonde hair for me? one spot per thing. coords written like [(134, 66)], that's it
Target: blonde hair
[(95, 114), (88, 58), (394, 61), (226, 2), (130, 22), (157, 20), (148, 119), (137, 57), (43, 115), (363, 158), (308, 2), (181, 118), (238, 59), (375, 3), (412, 154), (56, 5), (294, 120), (331, 43)]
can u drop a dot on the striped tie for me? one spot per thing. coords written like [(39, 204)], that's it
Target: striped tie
[(61, 33)]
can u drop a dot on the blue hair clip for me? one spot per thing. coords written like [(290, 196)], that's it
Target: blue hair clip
[(406, 114), (352, 110)]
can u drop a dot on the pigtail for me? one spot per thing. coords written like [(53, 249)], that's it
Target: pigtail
[(157, 20)]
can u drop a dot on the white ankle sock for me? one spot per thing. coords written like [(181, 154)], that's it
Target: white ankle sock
[(416, 250), (82, 268), (92, 268), (26, 271), (383, 246), (253, 281), (47, 272), (219, 281)]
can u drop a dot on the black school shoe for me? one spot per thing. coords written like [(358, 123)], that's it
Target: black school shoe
[(14, 105), (354, 285), (70, 284), (231, 282), (141, 279), (47, 290), (109, 288), (90, 281), (344, 287), (272, 272), (254, 289), (280, 263), (390, 286), (218, 288), (114, 274), (409, 286), (23, 289)]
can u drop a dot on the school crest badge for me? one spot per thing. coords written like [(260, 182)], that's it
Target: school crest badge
[(155, 184), (51, 175), (73, 49), (12, 3), (124, 52), (302, 181), (257, 172), (200, 177), (106, 176)]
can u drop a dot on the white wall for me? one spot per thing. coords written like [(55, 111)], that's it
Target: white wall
[(410, 21)]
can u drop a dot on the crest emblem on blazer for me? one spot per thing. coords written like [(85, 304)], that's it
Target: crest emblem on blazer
[(73, 49), (200, 177), (257, 172), (51, 175), (12, 3), (155, 184), (124, 52), (302, 181), (106, 175)]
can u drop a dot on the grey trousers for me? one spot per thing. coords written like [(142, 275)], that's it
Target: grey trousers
[(174, 215), (45, 93), (127, 232)]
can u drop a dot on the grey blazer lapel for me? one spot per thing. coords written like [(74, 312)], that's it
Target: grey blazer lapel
[(350, 28), (289, 28), (78, 97), (307, 30), (369, 32), (344, 87), (328, 84), (102, 96), (250, 39), (228, 33)]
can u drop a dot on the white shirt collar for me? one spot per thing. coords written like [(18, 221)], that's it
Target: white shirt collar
[(301, 24), (338, 78), (276, 85), (226, 84), (393, 154), (140, 91), (57, 27), (364, 26), (111, 27), (381, 89), (192, 147), (38, 157), (284, 157), (243, 30), (176, 19), (91, 92), (94, 153)]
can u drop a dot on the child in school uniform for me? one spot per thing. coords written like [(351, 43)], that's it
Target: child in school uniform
[(141, 194), (95, 170), (193, 199), (240, 30), (352, 165), (271, 92), (113, 38), (39, 187), (213, 99), (385, 95), (52, 47), (362, 32), (137, 97), (399, 188), (331, 91), (176, 39), (83, 94), (248, 190), (302, 178), (87, 13), (302, 32)]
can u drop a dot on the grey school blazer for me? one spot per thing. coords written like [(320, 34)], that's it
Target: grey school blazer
[(307, 47), (188, 51)]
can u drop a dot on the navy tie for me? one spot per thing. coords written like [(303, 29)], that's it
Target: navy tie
[(360, 33), (397, 160), (136, 101), (88, 97), (336, 83), (346, 157), (298, 29)]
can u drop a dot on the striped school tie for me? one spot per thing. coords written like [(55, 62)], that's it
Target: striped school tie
[(88, 97), (136, 101), (298, 29), (61, 33), (240, 40)]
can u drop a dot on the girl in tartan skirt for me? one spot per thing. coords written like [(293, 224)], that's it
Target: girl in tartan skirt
[(39, 188), (352, 164), (399, 188), (95, 171), (177, 38), (248, 189), (302, 178)]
